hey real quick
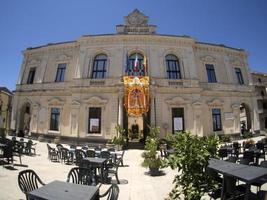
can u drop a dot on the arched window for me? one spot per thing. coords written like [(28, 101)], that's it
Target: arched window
[(136, 66), (172, 67), (99, 66)]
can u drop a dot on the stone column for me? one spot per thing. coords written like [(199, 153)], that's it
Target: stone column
[(236, 113), (198, 127), (75, 110), (22, 69), (80, 64)]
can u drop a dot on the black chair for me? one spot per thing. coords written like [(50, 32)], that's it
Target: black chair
[(79, 156), (232, 159), (66, 156), (121, 158), (113, 170), (28, 180), (84, 148), (250, 156), (112, 193), (30, 147), (18, 150), (260, 147), (53, 154), (72, 146), (84, 176), (262, 181), (90, 153), (223, 153)]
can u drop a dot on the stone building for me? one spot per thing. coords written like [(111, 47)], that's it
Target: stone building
[(260, 83), (84, 88), (5, 107)]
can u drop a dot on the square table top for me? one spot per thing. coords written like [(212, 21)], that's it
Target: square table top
[(59, 190), (245, 173)]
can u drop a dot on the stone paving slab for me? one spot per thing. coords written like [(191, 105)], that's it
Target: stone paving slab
[(136, 183)]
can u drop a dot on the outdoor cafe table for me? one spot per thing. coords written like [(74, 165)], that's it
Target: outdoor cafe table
[(58, 190), (245, 173), (100, 162)]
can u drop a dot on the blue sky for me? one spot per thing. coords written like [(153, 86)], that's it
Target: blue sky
[(29, 23)]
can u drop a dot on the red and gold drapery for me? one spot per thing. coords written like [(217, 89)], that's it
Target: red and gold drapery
[(136, 95)]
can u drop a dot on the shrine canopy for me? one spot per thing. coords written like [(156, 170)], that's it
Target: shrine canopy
[(136, 95)]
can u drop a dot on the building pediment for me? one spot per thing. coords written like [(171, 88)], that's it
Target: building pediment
[(136, 23), (95, 101), (208, 59), (197, 104), (34, 62), (215, 102), (176, 101), (55, 102), (63, 57)]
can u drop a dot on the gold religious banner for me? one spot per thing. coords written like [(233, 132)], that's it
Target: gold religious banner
[(136, 97)]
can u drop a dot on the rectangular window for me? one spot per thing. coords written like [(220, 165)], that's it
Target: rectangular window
[(216, 119), (31, 75), (94, 120), (239, 76), (173, 69), (54, 119), (177, 119), (99, 69), (211, 73), (60, 72)]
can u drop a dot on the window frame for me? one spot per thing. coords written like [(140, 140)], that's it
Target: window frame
[(31, 75), (95, 68), (239, 76), (216, 117), (61, 71), (173, 71), (89, 132), (54, 127), (130, 68), (180, 114), (211, 74)]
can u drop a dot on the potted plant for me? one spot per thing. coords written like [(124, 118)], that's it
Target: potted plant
[(120, 139), (151, 158), (190, 158)]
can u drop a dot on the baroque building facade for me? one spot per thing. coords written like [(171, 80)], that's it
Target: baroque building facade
[(5, 108), (79, 89)]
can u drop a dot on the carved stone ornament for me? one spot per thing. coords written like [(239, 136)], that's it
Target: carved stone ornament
[(34, 62), (136, 18), (208, 59), (236, 62), (63, 57)]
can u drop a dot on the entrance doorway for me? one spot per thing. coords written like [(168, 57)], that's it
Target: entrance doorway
[(245, 119)]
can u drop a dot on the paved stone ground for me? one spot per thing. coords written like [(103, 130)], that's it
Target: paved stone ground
[(136, 184)]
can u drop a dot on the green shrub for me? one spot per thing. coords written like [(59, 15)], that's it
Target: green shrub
[(191, 156), (150, 155)]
